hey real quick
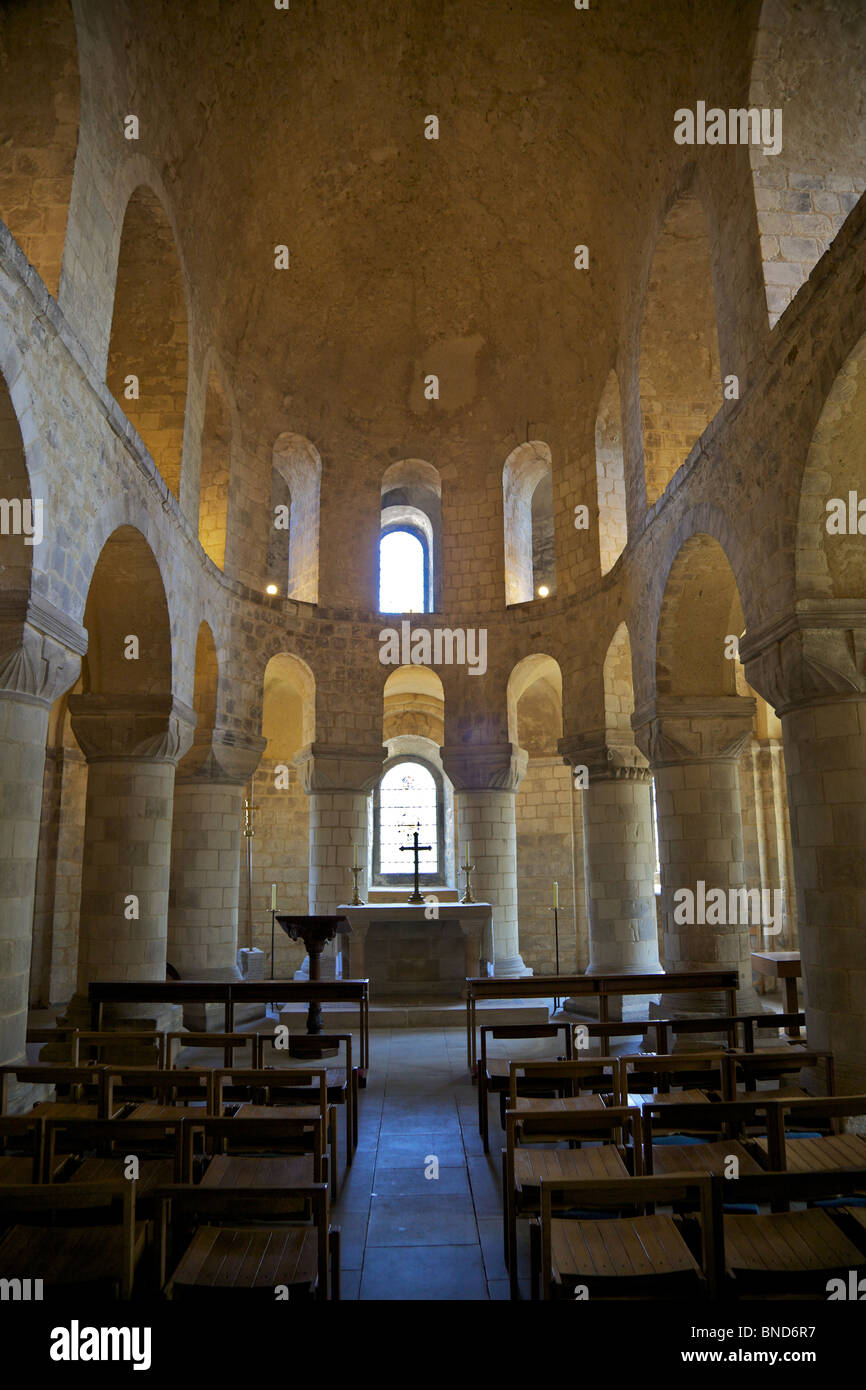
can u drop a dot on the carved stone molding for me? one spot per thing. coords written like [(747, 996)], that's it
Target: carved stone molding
[(228, 759), (605, 760), (694, 728), (332, 768), (813, 654), (40, 649), (485, 766), (131, 728)]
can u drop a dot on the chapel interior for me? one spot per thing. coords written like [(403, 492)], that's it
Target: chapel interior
[(432, 426)]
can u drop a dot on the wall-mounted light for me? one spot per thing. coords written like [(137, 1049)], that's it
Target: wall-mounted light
[(272, 589), (543, 591)]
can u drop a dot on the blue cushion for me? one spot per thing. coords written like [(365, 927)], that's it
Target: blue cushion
[(841, 1202), (678, 1139)]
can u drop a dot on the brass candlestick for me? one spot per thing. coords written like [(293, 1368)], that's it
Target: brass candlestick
[(355, 870), (467, 869)]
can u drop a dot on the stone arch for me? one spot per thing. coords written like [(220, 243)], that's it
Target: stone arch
[(618, 688), (610, 475), (413, 703), (288, 705), (297, 467), (679, 369), (534, 696), (810, 65), (412, 501), (205, 699), (127, 599), (830, 563), (21, 519), (215, 476), (149, 333), (701, 607), (39, 116), (529, 547)]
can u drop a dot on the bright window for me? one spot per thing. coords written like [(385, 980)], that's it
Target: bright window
[(408, 801), (401, 573)]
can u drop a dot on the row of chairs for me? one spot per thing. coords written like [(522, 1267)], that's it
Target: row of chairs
[(86, 1211)]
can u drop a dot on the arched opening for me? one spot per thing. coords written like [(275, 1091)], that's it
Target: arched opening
[(544, 818), (410, 541), (413, 730), (530, 555), (39, 112), (295, 489), (809, 66), (610, 476), (408, 796), (215, 473), (21, 518), (831, 524), (205, 695), (126, 616), (680, 375), (148, 348), (700, 609), (281, 844)]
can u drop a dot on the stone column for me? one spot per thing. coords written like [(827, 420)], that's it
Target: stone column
[(40, 657), (620, 860), (338, 781), (205, 856), (693, 744), (132, 744), (485, 779), (811, 667)]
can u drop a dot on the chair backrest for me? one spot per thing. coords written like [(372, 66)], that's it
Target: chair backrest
[(76, 1079), (826, 1111), (579, 1074), (172, 1086), (725, 1028), (771, 1064), (582, 1033), (136, 1137), (229, 1042), (26, 1134), (249, 1082), (641, 1072), (221, 1135), (609, 1125), (770, 1023), (724, 1119), (28, 1205), (513, 1031), (91, 1044)]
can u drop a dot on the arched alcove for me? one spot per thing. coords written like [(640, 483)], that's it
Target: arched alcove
[(410, 541), (129, 650), (298, 467), (610, 476), (527, 494), (680, 375), (148, 349), (39, 112), (215, 473)]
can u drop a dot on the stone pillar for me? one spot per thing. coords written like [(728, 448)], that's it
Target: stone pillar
[(205, 856), (693, 744), (811, 667), (774, 834), (132, 744), (485, 779), (619, 854), (338, 781), (40, 657)]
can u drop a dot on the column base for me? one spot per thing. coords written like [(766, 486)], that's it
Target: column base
[(511, 968)]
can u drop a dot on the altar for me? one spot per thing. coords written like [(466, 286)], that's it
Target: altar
[(404, 951)]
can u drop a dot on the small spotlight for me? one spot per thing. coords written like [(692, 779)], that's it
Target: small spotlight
[(543, 591), (272, 589)]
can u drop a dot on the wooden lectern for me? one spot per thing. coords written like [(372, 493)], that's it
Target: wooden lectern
[(315, 932)]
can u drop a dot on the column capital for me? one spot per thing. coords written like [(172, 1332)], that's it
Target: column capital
[(335, 768), (606, 759), (40, 648), (812, 654), (131, 728), (228, 758), (693, 728), (485, 766)]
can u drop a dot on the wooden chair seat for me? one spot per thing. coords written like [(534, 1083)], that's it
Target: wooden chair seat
[(632, 1248), (253, 1258), (668, 1159), (15, 1170), (68, 1255), (153, 1172), (787, 1243), (238, 1170), (558, 1103), (66, 1110), (599, 1161), (819, 1155)]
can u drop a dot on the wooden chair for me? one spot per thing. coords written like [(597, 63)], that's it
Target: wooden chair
[(158, 1093), (786, 1151), (523, 1167), (607, 1033), (682, 1075), (259, 1153), (90, 1088), (50, 1242), (720, 1128), (342, 1082), (493, 1071), (639, 1255), (784, 1253), (229, 1042), (258, 1089), (776, 1064), (725, 1027), (753, 1024), (225, 1253), (91, 1045), (562, 1085), (99, 1149), (24, 1135)]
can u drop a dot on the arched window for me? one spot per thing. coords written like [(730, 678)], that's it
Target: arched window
[(404, 571), (527, 494), (408, 797)]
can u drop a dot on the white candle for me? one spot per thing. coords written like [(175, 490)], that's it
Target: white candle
[(354, 856), (468, 851), (555, 893), (273, 897)]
